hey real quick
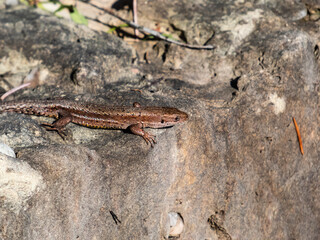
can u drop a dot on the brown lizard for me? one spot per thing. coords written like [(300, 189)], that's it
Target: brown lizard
[(99, 116)]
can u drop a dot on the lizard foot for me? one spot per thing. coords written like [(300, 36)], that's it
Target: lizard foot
[(149, 138), (51, 127)]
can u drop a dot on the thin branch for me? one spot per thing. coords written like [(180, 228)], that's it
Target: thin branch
[(152, 32), (31, 80), (298, 134), (13, 90), (135, 15)]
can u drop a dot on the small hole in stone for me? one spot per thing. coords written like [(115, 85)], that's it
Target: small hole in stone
[(234, 83)]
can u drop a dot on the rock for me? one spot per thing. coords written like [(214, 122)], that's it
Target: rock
[(18, 183), (67, 43), (233, 171), (11, 2), (176, 224), (2, 4), (5, 149)]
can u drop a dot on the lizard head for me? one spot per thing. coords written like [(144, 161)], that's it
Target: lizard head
[(172, 116)]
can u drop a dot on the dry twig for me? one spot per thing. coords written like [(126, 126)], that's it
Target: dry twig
[(152, 32), (298, 134), (135, 15), (31, 80)]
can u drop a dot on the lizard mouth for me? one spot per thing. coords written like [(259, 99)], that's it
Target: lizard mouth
[(182, 117)]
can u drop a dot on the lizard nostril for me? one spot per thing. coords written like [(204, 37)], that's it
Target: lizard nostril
[(162, 121)]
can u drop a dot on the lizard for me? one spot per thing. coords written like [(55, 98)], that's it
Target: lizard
[(91, 115)]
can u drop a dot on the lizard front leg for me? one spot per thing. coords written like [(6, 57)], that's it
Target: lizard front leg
[(60, 124), (138, 130)]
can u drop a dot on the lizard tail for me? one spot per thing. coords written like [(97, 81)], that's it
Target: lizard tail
[(29, 108)]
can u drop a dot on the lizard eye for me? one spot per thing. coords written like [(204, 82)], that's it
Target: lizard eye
[(162, 121), (177, 118)]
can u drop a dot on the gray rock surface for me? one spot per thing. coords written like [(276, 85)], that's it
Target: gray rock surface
[(233, 171)]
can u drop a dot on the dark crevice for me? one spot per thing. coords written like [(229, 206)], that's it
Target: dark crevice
[(234, 83), (216, 225), (182, 35), (316, 51), (122, 4), (166, 50)]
